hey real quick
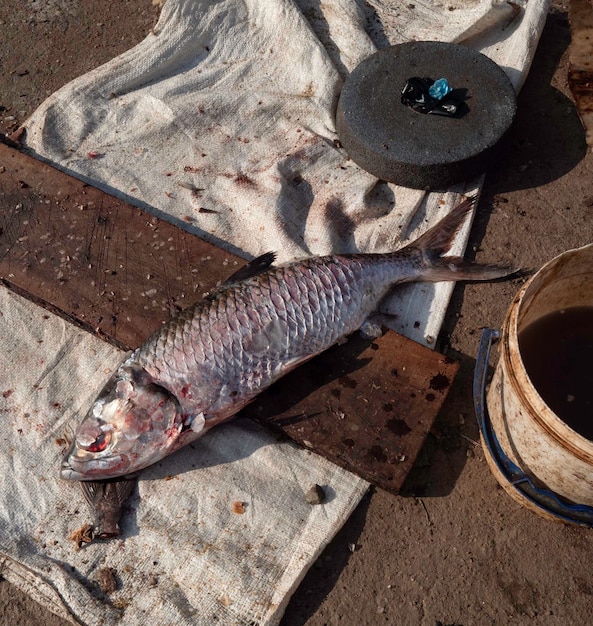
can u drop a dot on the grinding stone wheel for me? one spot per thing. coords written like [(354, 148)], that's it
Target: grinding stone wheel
[(424, 151)]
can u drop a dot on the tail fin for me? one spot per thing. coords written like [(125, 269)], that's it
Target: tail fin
[(436, 241)]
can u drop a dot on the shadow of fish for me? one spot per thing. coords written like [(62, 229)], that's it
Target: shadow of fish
[(208, 362)]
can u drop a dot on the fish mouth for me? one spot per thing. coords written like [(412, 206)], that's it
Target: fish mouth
[(95, 469), (67, 472)]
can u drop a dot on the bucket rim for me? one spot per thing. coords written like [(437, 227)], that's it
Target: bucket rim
[(542, 414), (511, 477)]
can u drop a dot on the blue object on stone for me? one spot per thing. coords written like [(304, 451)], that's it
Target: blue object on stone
[(439, 89)]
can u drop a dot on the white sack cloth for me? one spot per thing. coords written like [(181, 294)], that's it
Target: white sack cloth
[(222, 120), (186, 557), (236, 99)]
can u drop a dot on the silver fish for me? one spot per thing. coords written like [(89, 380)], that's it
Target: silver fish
[(205, 364)]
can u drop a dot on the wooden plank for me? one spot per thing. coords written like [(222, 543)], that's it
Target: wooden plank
[(120, 272), (107, 265)]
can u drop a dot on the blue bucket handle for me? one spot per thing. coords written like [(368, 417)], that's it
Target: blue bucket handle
[(543, 499)]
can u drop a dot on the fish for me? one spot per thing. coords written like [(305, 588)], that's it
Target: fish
[(209, 361)]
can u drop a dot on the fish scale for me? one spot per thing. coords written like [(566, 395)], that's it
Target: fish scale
[(200, 368), (213, 339)]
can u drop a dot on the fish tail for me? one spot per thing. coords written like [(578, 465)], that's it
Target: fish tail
[(437, 241)]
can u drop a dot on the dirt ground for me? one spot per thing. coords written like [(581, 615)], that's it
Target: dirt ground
[(453, 548)]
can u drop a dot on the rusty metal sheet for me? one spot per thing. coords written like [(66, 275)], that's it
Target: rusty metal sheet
[(120, 272), (580, 55), (365, 405)]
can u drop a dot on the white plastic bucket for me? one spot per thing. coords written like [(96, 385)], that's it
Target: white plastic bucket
[(538, 459)]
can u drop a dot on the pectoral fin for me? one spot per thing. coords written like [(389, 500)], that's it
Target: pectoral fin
[(253, 268)]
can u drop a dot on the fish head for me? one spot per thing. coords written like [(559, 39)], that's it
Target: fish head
[(132, 424)]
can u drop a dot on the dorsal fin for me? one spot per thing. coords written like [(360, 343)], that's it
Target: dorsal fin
[(439, 239), (253, 268)]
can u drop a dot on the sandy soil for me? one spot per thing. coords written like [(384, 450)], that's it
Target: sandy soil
[(453, 548)]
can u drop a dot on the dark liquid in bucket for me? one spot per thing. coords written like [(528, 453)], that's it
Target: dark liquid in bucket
[(557, 351)]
